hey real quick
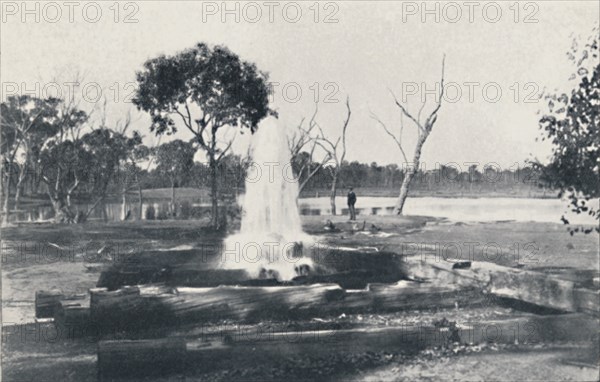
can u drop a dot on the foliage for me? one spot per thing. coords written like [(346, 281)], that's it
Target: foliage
[(174, 160), (104, 151), (64, 163), (572, 125), (228, 91), (26, 118)]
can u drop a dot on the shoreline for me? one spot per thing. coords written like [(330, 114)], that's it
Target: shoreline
[(41, 200)]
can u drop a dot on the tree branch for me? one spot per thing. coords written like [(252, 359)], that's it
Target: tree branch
[(433, 116), (397, 140), (310, 174), (404, 111), (226, 149), (344, 129)]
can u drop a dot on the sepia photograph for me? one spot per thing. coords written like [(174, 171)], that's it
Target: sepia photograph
[(300, 190)]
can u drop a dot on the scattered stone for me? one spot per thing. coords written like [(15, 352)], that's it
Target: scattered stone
[(329, 226), (374, 228), (462, 265)]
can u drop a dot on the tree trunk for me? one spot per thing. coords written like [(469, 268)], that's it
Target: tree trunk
[(141, 200), (173, 198), (10, 163), (33, 181), (408, 177), (333, 193), (22, 173), (62, 212), (124, 204), (403, 192), (5, 211), (214, 193), (59, 213), (18, 195), (61, 205), (70, 192)]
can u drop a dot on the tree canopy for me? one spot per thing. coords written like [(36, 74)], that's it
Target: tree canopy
[(227, 90)]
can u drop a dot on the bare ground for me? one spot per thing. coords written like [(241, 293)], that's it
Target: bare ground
[(545, 247)]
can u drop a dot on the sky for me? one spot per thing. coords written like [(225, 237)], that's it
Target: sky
[(499, 57)]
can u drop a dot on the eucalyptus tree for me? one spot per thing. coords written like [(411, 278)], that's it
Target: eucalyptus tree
[(26, 122), (90, 161), (209, 90)]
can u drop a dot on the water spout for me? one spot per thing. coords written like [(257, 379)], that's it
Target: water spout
[(270, 241)]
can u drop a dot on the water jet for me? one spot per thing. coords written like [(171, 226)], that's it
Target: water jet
[(271, 242)]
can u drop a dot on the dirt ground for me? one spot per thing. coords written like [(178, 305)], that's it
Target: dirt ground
[(34, 355), (524, 363), (69, 258)]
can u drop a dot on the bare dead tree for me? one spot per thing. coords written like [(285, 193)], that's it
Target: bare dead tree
[(335, 154), (305, 139), (423, 130)]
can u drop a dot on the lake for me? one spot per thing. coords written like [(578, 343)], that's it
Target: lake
[(454, 209), (457, 209)]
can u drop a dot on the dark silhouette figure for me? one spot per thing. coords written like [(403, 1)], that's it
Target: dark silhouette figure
[(351, 203)]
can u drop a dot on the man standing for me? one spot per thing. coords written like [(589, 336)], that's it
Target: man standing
[(351, 203)]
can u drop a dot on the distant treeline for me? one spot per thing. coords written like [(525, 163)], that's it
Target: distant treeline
[(442, 179), (384, 179)]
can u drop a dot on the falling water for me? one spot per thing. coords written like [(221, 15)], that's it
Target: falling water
[(270, 241)]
